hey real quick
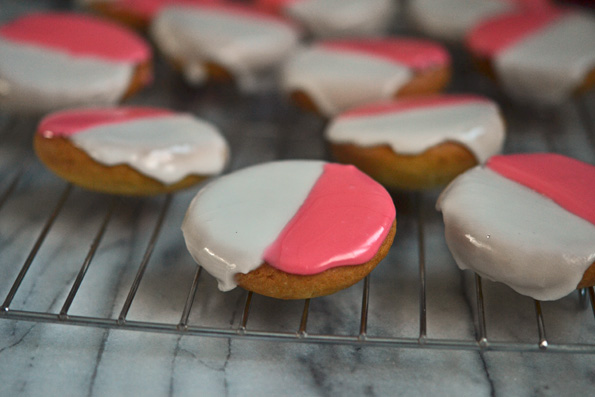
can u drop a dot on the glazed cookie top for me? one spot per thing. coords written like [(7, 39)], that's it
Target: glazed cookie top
[(412, 126), (336, 18), (452, 19), (340, 74), (248, 43), (159, 143), (525, 220), (301, 217), (539, 57), (44, 65)]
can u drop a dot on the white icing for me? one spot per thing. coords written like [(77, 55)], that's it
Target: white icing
[(233, 219), (249, 48), (36, 79), (167, 148), (338, 80), (476, 125), (507, 232), (341, 18), (547, 65), (452, 19)]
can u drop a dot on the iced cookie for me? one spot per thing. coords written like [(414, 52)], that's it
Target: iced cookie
[(130, 150), (50, 61), (542, 58), (452, 19), (332, 76), (525, 220), (290, 229), (419, 143), (224, 42)]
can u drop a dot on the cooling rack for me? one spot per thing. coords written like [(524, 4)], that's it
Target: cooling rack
[(279, 132)]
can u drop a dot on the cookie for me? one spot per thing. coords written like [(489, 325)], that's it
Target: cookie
[(130, 150), (224, 42), (419, 143), (336, 18), (50, 61), (526, 220), (290, 229), (542, 58), (332, 76), (451, 20)]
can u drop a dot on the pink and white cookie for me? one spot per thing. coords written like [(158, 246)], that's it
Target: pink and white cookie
[(525, 220), (135, 13), (333, 76), (50, 61), (452, 19), (130, 150), (224, 42), (418, 143), (543, 57), (336, 18), (290, 229)]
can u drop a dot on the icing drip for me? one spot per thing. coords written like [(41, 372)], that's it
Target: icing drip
[(247, 45), (507, 232), (417, 125), (158, 143), (78, 35), (339, 80), (568, 182), (343, 221), (300, 216)]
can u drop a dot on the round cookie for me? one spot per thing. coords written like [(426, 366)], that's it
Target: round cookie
[(224, 42), (137, 14), (50, 61), (290, 229), (332, 76), (419, 143), (543, 58), (525, 220), (336, 18), (452, 19), (130, 150)]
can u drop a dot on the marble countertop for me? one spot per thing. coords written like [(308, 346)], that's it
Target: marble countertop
[(49, 358)]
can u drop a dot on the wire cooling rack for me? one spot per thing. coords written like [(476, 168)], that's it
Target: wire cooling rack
[(481, 341), (276, 124)]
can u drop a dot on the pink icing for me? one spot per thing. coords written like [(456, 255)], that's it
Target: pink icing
[(410, 104), (343, 221), (147, 9), (501, 32), (70, 122), (568, 182), (79, 35), (414, 53)]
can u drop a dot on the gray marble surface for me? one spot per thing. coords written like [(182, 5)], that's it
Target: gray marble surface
[(39, 358)]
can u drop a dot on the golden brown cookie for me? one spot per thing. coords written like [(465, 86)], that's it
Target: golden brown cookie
[(130, 150)]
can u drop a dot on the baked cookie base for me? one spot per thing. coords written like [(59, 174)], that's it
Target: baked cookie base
[(433, 168), (268, 281), (74, 165)]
